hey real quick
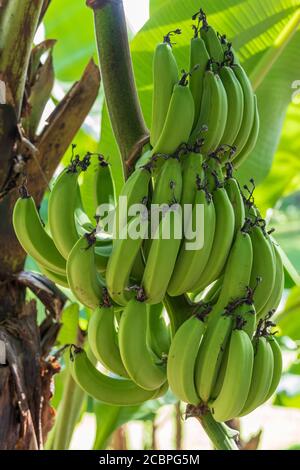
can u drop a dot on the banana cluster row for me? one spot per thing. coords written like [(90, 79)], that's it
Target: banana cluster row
[(216, 106)]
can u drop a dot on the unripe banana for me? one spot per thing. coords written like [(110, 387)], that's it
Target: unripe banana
[(120, 392), (261, 376), (199, 58), (275, 297), (34, 238), (84, 281), (252, 139), (191, 173), (213, 45), (122, 259), (181, 359), (60, 279), (104, 187), (234, 193), (277, 356), (179, 120), (165, 76), (162, 255), (247, 314), (143, 367), (158, 332), (61, 210), (211, 293), (213, 113), (223, 236), (191, 263), (235, 100), (263, 268), (248, 115), (168, 184), (103, 340), (211, 353), (237, 378)]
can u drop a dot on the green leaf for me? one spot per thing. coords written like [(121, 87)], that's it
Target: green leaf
[(71, 23), (69, 320), (289, 319)]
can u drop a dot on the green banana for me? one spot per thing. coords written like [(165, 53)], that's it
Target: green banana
[(143, 367), (179, 120), (264, 267), (213, 113), (181, 359), (191, 173), (212, 42), (113, 391), (61, 210), (235, 99), (162, 255), (165, 76), (245, 311), (211, 293), (191, 263), (234, 193), (275, 297), (60, 279), (277, 356), (84, 281), (223, 236), (104, 187), (261, 376), (158, 332), (248, 114), (199, 58), (252, 139), (103, 339), (34, 238), (237, 378), (124, 254), (211, 353), (168, 184)]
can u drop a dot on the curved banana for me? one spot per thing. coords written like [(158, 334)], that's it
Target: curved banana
[(113, 391), (199, 58), (264, 267), (179, 120), (275, 297), (245, 311), (124, 254), (162, 255), (234, 193), (34, 238), (165, 76), (182, 357), (211, 353), (213, 113), (84, 281), (61, 210), (223, 236), (235, 99), (143, 367), (60, 279), (211, 294), (252, 139), (261, 376), (212, 42), (191, 173), (104, 187), (158, 332), (237, 378), (103, 340), (277, 356), (191, 263), (248, 115)]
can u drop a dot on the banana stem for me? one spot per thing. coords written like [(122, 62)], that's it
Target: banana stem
[(221, 436), (117, 75), (271, 56)]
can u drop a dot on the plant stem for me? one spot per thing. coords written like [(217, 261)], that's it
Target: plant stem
[(18, 25), (117, 75), (221, 436), (271, 56)]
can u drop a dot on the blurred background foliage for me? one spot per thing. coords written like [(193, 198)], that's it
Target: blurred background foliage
[(253, 27)]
